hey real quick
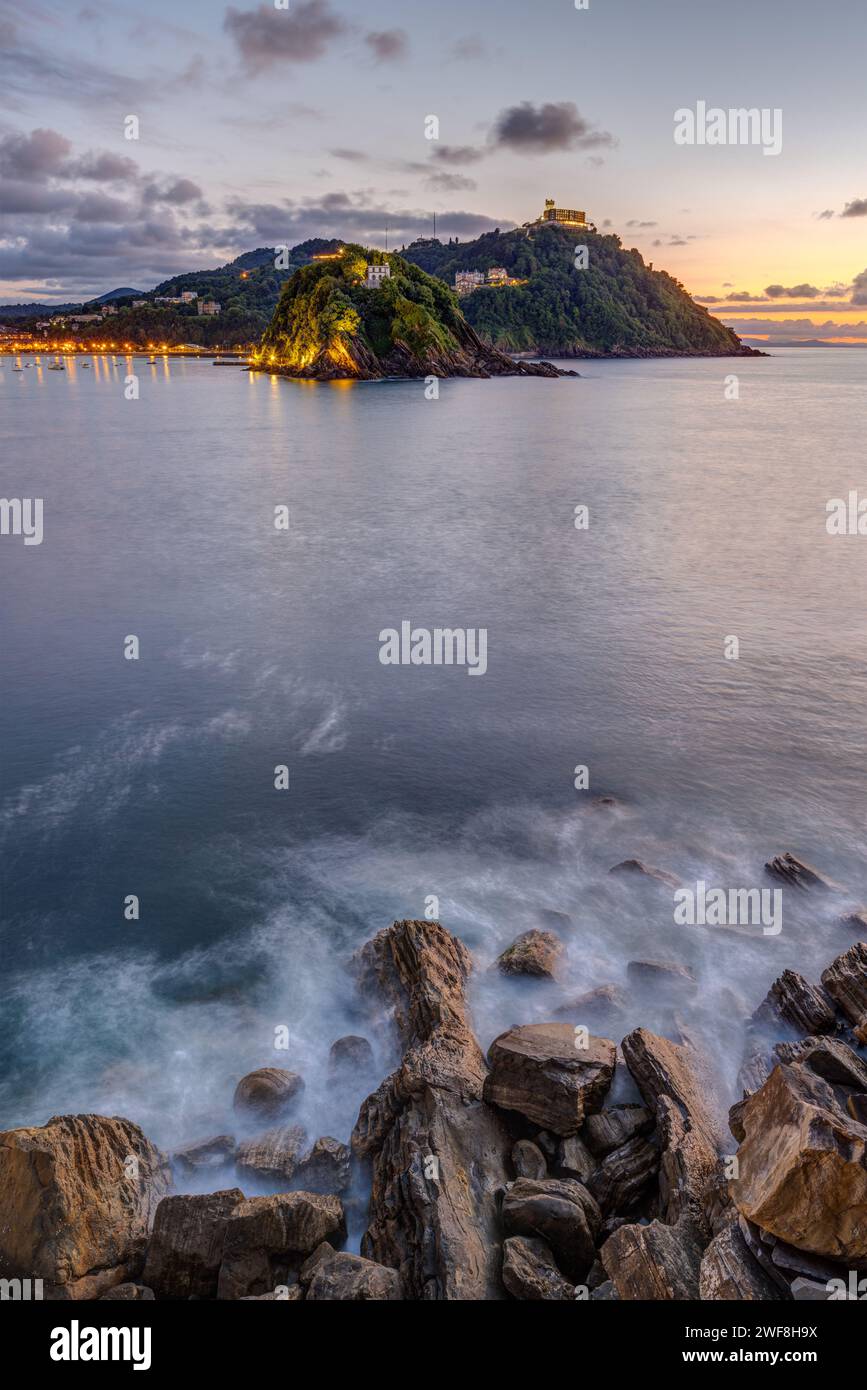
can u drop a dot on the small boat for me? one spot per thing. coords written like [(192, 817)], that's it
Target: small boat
[(152, 361), (85, 364), (56, 367)]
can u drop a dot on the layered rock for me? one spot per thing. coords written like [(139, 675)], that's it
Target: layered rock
[(267, 1237), (657, 1261), (272, 1156), (794, 1000), (530, 1272), (345, 1278), (268, 1093), (846, 982), (729, 1272), (799, 874), (559, 1211), (547, 1073), (535, 953), (186, 1248), (77, 1197)]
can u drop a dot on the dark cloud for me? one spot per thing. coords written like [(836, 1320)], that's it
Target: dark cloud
[(857, 208), (793, 292), (859, 289), (796, 329), (529, 129), (351, 216), (181, 192), (456, 154), (823, 216), (28, 196), (266, 36), (450, 183), (103, 168), (353, 156), (388, 45), (34, 156), (634, 223), (99, 207)]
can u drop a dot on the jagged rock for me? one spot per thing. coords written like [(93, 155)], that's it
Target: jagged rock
[(274, 1155), (348, 1278), (437, 1151), (624, 1175), (325, 1251), (792, 1262), (559, 1211), (529, 1271), (538, 1071), (603, 1010), (205, 1155), (829, 1058), (574, 1159), (77, 1196), (798, 874), (128, 1293), (846, 981), (665, 980), (803, 1165), (754, 1239), (638, 869), (855, 922), (675, 1083), (728, 1271), (655, 1261), (536, 953), (856, 1106), (605, 1293), (186, 1246), (351, 1054), (794, 1000), (325, 1168), (754, 1072), (528, 1160), (806, 1291), (612, 1127), (267, 1093), (596, 1274), (267, 1236)]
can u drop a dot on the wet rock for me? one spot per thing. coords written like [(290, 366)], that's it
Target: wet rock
[(846, 982), (351, 1054), (186, 1246), (272, 1156), (803, 1166), (530, 1273), (205, 1155), (664, 980), (624, 1175), (128, 1293), (325, 1251), (807, 1291), (535, 953), (77, 1196), (574, 1159), (346, 1278), (856, 1106), (796, 873), (755, 1241), (603, 1010), (266, 1237), (267, 1093), (754, 1072), (636, 868), (560, 1212), (538, 1071), (654, 1261), (612, 1127), (437, 1151), (829, 1058), (794, 1000), (605, 1293), (286, 1293), (675, 1082), (729, 1271), (325, 1168), (528, 1160), (855, 922)]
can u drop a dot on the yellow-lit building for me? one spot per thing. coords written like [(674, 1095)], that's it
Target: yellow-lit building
[(566, 217)]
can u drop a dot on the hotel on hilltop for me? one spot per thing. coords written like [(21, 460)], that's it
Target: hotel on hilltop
[(564, 217)]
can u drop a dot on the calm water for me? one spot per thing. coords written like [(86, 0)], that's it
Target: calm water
[(258, 648)]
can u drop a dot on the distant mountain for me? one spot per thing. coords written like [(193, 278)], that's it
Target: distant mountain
[(35, 310), (116, 294)]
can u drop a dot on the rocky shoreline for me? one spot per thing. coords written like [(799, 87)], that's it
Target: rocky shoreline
[(519, 1174)]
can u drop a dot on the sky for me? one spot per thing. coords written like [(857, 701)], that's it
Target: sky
[(263, 124)]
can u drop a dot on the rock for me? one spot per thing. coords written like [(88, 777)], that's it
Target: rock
[(676, 1085), (624, 1175), (856, 1106), (186, 1246), (754, 1239), (266, 1237), (803, 1166), (574, 1159), (792, 999), (534, 953), (792, 1262), (605, 1293), (602, 1010), (437, 1150), (855, 922), (846, 982), (529, 1271), (325, 1168), (798, 874), (325, 1251), (286, 1293), (128, 1293), (272, 1156), (538, 1071), (828, 1058), (806, 1291), (267, 1093), (205, 1155), (351, 1054), (729, 1272), (754, 1072), (350, 1278), (655, 1261), (559, 1211), (665, 980), (528, 1160), (610, 1128), (635, 868), (77, 1196)]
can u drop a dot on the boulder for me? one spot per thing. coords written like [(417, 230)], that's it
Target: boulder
[(530, 1273), (612, 1127), (636, 868), (348, 1278), (205, 1155), (128, 1293), (77, 1197), (325, 1251), (665, 980), (808, 1291), (267, 1237), (829, 1058), (272, 1156), (528, 1160), (803, 1165), (574, 1159), (539, 1071), (535, 953), (846, 982), (603, 1010), (559, 1211), (437, 1151), (729, 1272), (351, 1054), (655, 1261), (325, 1168), (624, 1175), (794, 1000), (186, 1247), (796, 873), (268, 1093)]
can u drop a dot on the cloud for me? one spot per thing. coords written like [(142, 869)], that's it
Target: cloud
[(388, 45), (794, 292), (823, 216), (450, 183), (468, 49), (527, 129), (266, 36), (34, 156), (859, 288), (99, 207), (857, 208), (359, 216), (457, 154), (634, 223), (181, 192), (796, 329)]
